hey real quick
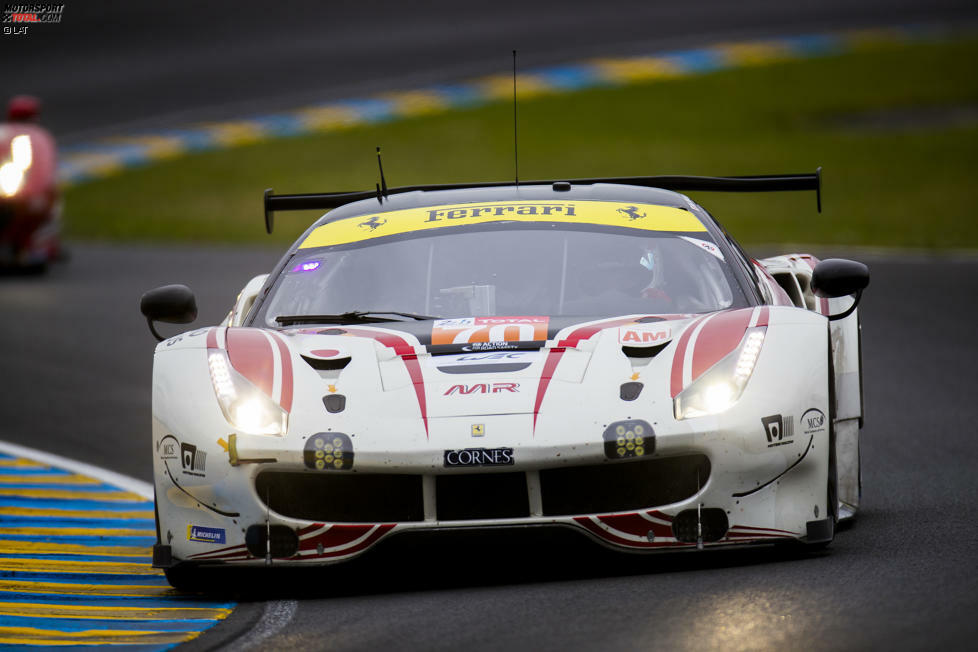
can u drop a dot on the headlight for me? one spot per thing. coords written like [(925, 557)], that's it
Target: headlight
[(719, 388), (21, 152), (11, 179), (12, 172), (245, 406)]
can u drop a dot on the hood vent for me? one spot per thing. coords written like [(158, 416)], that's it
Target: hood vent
[(333, 364), (643, 351)]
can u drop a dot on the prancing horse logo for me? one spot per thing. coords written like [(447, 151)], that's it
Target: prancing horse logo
[(632, 213), (374, 222)]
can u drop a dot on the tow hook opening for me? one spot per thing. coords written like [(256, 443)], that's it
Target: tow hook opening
[(707, 524), (284, 541)]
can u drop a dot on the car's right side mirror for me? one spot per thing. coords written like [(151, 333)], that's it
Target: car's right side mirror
[(174, 304), (838, 277)]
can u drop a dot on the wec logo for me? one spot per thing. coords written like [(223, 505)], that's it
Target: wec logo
[(482, 388)]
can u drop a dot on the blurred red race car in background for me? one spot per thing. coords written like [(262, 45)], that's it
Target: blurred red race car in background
[(30, 204)]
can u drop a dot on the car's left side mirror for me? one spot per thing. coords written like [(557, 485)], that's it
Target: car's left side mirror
[(838, 277), (173, 304)]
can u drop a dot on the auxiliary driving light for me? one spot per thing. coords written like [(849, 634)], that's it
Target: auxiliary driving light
[(328, 451), (631, 438)]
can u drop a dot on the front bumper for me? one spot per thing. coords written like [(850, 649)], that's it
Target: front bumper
[(698, 487), (756, 473)]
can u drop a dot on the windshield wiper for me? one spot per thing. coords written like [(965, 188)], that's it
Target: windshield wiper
[(354, 316)]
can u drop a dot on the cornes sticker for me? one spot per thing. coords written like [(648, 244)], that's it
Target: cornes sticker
[(479, 457)]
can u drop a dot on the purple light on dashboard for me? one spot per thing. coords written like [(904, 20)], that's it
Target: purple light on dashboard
[(306, 267)]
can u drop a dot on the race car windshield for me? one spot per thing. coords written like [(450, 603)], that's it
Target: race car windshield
[(507, 271)]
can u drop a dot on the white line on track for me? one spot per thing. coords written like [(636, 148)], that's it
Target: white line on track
[(276, 616), (144, 489)]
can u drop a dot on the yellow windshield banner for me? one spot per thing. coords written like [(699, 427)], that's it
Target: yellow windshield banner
[(646, 217)]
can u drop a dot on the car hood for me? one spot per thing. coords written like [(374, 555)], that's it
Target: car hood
[(477, 366)]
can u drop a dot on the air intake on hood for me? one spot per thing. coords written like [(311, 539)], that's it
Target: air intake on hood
[(643, 351), (334, 364)]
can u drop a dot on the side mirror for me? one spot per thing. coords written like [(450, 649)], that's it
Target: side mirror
[(838, 277), (173, 304)]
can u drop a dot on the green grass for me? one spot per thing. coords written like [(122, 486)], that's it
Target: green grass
[(884, 185)]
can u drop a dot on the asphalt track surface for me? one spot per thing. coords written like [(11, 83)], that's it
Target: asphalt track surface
[(116, 66), (76, 382), (77, 355)]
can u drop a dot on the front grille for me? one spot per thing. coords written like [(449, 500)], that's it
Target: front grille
[(482, 495), (624, 486), (339, 497)]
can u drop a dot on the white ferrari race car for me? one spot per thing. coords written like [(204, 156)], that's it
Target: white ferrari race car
[(596, 355)]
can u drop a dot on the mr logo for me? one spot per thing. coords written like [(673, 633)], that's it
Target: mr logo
[(632, 213), (779, 429), (374, 222), (483, 388), (192, 460)]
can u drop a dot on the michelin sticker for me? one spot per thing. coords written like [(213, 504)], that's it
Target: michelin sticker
[(206, 534)]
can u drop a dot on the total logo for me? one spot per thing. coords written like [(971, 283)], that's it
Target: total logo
[(482, 388)]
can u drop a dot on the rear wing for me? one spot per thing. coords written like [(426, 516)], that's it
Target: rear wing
[(763, 183)]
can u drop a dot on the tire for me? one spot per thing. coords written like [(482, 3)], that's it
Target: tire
[(185, 578)]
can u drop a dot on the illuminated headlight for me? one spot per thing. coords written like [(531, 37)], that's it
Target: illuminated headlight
[(13, 171), (11, 179), (245, 406), (719, 388), (21, 152)]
